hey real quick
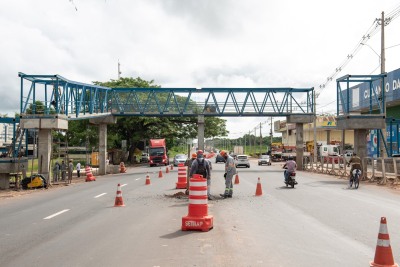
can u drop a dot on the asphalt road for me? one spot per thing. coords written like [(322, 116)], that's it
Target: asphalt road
[(318, 223)]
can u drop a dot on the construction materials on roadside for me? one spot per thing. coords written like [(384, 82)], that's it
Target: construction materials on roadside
[(258, 189), (119, 202), (197, 218), (122, 168), (147, 179), (237, 178), (89, 176), (182, 182), (383, 252), (160, 175)]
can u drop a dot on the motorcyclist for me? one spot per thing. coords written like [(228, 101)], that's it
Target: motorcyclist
[(290, 167), (356, 164)]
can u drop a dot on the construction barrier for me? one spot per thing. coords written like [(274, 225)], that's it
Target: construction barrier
[(383, 252), (258, 189), (119, 202), (89, 176), (182, 182), (198, 218), (122, 168)]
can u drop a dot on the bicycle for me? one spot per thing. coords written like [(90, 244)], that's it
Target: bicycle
[(355, 178)]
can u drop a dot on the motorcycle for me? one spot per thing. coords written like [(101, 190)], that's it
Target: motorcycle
[(291, 179)]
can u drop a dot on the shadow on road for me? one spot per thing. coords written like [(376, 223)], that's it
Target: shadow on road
[(178, 233)]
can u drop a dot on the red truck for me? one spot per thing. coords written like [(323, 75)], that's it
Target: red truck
[(158, 152)]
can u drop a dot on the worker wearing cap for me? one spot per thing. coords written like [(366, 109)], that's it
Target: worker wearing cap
[(201, 166), (230, 170), (188, 163)]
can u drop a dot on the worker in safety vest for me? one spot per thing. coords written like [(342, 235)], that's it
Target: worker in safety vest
[(230, 170)]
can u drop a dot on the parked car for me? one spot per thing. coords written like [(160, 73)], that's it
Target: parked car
[(145, 158), (219, 158), (264, 159), (179, 158), (242, 160)]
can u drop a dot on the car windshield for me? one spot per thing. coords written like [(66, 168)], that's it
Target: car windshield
[(242, 157), (157, 151), (264, 157), (180, 156)]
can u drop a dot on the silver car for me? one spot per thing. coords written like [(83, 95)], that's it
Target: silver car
[(179, 158), (242, 160), (264, 159)]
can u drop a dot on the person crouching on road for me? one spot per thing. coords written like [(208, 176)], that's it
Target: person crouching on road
[(201, 166), (230, 170)]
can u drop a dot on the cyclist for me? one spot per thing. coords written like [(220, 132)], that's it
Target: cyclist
[(356, 164)]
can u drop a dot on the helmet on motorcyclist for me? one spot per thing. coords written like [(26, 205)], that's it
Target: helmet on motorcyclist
[(194, 155), (222, 153), (199, 152)]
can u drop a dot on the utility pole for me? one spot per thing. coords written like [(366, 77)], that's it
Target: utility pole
[(260, 139), (271, 132), (384, 139), (119, 70)]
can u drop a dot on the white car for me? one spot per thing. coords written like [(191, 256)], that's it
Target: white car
[(242, 160), (264, 159)]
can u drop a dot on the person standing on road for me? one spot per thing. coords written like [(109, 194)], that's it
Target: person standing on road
[(63, 170), (189, 163), (56, 171), (201, 166), (230, 170), (78, 169), (70, 171)]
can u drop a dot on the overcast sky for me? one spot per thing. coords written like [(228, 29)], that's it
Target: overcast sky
[(194, 43)]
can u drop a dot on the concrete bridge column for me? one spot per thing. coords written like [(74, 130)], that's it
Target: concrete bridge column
[(44, 152), (200, 132), (360, 143), (102, 148), (102, 123), (299, 146)]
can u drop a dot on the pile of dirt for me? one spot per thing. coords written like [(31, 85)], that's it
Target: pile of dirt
[(178, 195)]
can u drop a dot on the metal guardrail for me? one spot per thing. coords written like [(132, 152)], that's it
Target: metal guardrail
[(378, 170)]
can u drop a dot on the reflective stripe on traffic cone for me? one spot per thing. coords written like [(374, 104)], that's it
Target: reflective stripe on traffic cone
[(259, 189), (383, 252), (237, 178), (119, 202)]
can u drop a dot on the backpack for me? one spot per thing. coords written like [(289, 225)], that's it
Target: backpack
[(201, 168)]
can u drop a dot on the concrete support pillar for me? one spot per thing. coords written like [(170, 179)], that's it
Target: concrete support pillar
[(299, 146), (200, 132), (44, 152), (4, 181), (328, 137), (360, 143), (102, 148)]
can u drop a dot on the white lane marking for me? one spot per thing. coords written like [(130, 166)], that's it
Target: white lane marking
[(55, 214), (123, 185), (100, 195), (137, 179)]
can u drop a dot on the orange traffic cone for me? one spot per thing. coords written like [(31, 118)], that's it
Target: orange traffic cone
[(237, 178), (166, 169), (160, 174), (147, 180), (119, 202), (172, 167), (259, 189), (383, 252)]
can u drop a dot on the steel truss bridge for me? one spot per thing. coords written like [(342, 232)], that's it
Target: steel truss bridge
[(43, 95)]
